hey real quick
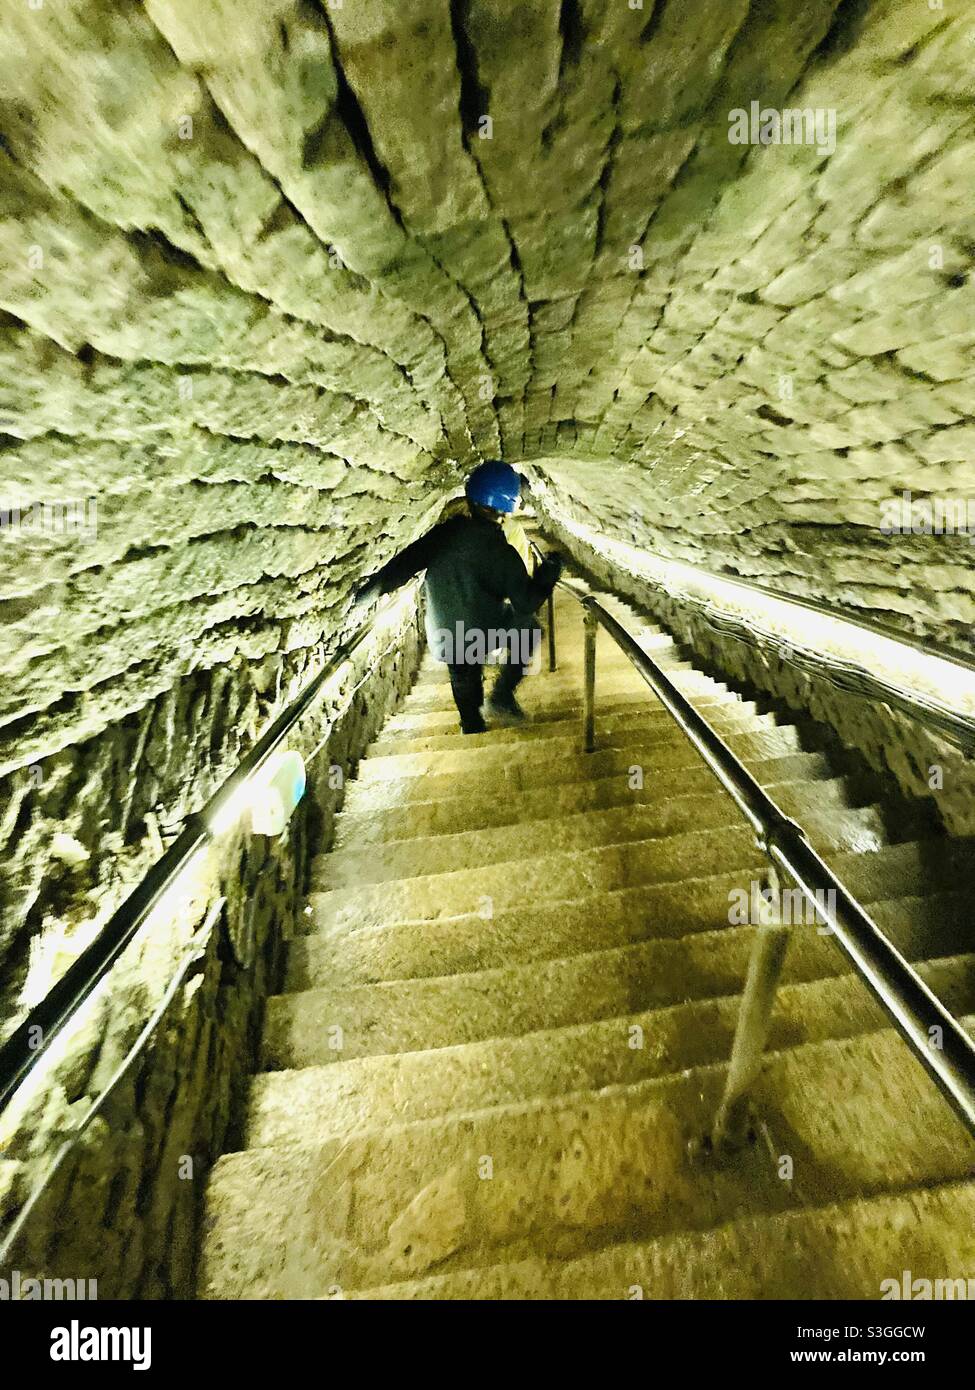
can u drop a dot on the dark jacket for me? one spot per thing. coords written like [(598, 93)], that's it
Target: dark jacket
[(474, 577)]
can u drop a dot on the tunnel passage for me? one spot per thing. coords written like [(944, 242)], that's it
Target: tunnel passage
[(277, 275)]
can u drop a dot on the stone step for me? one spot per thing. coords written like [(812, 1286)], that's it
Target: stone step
[(564, 1177), (569, 674), (571, 657), (428, 1011), (541, 707), (681, 765), (408, 725), (895, 871), (618, 1046), (461, 812), (570, 654), (661, 912), (860, 828), (565, 683), (558, 876), (570, 633), (570, 625), (636, 723), (667, 747), (537, 697), (850, 1250), (509, 1022)]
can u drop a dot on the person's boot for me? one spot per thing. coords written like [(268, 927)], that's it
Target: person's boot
[(467, 685), (502, 706)]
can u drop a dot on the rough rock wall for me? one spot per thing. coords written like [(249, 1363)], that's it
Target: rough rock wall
[(806, 354), (222, 420), (272, 271), (124, 1206)]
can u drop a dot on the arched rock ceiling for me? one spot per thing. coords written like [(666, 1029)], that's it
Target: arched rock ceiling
[(265, 289)]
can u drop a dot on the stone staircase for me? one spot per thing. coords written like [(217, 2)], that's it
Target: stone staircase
[(508, 1026)]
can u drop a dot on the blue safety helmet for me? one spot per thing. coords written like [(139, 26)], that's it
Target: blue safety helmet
[(496, 485)]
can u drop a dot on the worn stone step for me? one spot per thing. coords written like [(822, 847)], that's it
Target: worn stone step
[(408, 725), (571, 656), (893, 871), (609, 657), (848, 1250), (569, 675), (462, 812), (859, 828), (440, 716), (570, 638), (636, 723), (570, 624), (616, 917), (561, 1178), (557, 875), (610, 665), (411, 950), (535, 692), (511, 1017), (815, 1002), (667, 746), (680, 764), (427, 1011)]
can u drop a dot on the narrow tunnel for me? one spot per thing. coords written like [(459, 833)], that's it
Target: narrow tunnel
[(662, 987)]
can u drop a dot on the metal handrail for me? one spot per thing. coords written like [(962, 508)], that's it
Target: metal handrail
[(917, 1014), (34, 1035), (196, 951), (848, 677)]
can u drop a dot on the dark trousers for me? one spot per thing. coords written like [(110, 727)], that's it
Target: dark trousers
[(467, 679)]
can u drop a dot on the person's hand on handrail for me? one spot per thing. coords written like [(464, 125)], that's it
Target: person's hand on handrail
[(552, 566)]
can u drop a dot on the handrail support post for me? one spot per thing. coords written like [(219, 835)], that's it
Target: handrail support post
[(754, 1017), (589, 698), (551, 631)]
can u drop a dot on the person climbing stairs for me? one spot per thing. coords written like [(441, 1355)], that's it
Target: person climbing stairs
[(503, 1040)]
